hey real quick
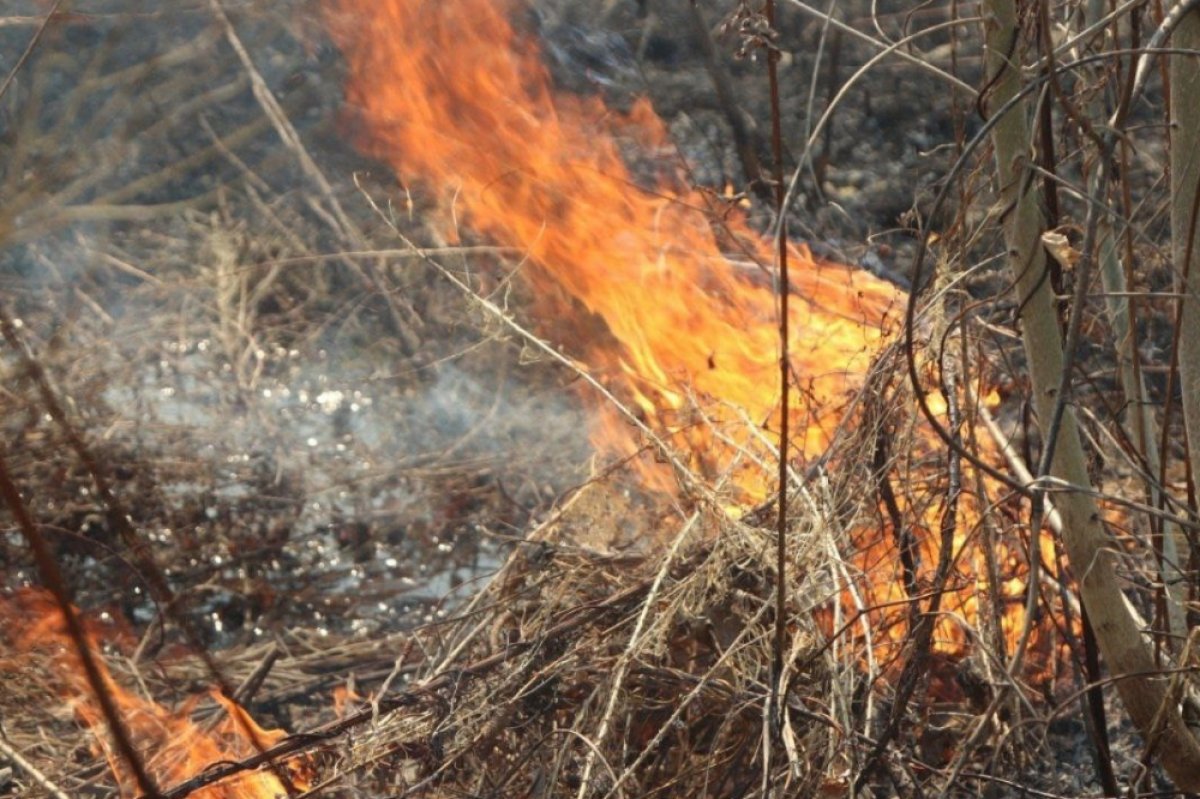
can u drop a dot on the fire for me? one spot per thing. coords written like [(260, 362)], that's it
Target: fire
[(450, 93), (175, 748), (453, 97)]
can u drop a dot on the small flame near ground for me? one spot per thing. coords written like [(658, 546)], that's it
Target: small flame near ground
[(456, 99), (174, 747)]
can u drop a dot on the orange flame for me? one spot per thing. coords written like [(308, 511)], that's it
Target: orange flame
[(449, 93), (175, 747)]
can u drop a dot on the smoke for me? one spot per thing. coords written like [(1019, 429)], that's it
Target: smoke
[(284, 420)]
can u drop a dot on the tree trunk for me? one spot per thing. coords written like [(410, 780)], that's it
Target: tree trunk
[(1185, 243), (1127, 653)]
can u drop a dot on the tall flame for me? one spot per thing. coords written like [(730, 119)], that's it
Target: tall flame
[(450, 93), (453, 97)]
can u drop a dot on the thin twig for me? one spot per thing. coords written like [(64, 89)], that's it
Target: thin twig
[(37, 35), (818, 129), (890, 47), (345, 226), (774, 717), (689, 479), (248, 688), (33, 771)]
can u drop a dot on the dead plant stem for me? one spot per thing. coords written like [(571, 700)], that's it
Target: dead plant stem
[(775, 725), (745, 136), (33, 41)]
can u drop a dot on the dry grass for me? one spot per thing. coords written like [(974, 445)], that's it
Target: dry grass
[(641, 675)]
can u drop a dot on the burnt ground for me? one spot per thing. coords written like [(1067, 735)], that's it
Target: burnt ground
[(336, 448)]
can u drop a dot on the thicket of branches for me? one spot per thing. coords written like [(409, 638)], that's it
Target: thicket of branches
[(1067, 118)]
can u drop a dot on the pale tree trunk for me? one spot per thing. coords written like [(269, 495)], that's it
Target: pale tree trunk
[(1185, 172), (1139, 415), (1139, 420), (1126, 652)]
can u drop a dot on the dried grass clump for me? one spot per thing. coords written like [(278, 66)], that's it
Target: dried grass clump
[(577, 672)]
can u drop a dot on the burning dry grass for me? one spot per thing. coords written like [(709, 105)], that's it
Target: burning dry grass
[(628, 675), (54, 734), (581, 669), (623, 649), (246, 372), (174, 744)]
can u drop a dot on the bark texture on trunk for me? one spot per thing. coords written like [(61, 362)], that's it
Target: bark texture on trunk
[(1185, 243)]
